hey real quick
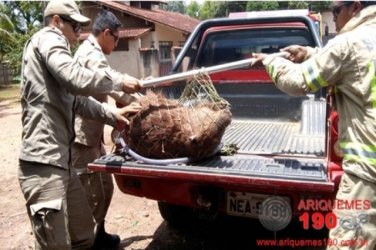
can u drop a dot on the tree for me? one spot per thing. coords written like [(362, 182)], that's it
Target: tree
[(206, 10), (236, 6), (6, 30), (193, 9), (27, 18), (319, 6), (25, 15), (6, 27), (262, 5), (175, 6), (212, 9)]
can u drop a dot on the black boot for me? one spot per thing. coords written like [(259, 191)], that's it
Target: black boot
[(105, 240)]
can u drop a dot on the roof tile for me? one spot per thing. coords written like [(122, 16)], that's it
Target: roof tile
[(130, 33), (174, 20)]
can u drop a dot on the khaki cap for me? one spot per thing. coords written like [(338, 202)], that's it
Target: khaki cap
[(67, 8)]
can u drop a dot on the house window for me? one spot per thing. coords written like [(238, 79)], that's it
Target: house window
[(122, 45), (181, 43), (165, 50), (147, 58)]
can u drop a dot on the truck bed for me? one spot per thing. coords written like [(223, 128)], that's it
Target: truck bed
[(292, 151), (279, 157)]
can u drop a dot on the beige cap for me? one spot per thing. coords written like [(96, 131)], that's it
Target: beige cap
[(67, 8)]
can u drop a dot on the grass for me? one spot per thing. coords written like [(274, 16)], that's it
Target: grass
[(10, 92)]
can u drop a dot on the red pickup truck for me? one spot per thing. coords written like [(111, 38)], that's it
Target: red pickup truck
[(285, 143)]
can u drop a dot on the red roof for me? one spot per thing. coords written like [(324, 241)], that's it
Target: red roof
[(173, 20), (133, 33), (130, 33)]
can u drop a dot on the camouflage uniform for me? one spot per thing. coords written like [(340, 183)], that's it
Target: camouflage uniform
[(56, 203), (88, 144), (347, 63)]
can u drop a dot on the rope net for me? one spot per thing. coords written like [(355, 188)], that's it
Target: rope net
[(191, 126)]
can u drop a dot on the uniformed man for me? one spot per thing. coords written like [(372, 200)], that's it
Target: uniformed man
[(347, 64), (88, 144), (60, 215)]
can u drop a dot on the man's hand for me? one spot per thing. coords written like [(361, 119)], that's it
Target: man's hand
[(259, 57), (297, 53), (131, 85), (121, 113)]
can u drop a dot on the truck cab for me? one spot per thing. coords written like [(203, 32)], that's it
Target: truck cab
[(285, 143)]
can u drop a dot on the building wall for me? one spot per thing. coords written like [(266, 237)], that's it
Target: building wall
[(127, 61), (132, 61), (164, 33), (327, 19)]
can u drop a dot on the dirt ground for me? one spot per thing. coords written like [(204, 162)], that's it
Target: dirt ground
[(134, 219)]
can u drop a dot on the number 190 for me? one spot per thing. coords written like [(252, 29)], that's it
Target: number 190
[(318, 220)]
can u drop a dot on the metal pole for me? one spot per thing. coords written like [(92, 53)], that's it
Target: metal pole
[(213, 69)]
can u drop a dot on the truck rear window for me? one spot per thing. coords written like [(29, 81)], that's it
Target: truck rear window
[(233, 45)]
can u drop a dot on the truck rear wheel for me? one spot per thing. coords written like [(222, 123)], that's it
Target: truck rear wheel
[(176, 215)]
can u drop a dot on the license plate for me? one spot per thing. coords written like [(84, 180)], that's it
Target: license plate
[(245, 204)]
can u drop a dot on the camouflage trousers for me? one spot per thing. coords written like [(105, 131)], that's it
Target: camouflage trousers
[(59, 213), (356, 215), (98, 186)]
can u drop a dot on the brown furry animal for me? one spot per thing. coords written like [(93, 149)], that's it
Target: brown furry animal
[(165, 129)]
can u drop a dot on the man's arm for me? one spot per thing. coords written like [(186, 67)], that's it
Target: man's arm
[(91, 58), (69, 74), (90, 108), (320, 70)]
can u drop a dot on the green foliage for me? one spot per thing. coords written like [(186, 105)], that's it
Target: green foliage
[(193, 9), (220, 9), (6, 32), (6, 24), (213, 9), (262, 5), (236, 6), (26, 18), (25, 15), (319, 5), (298, 4), (14, 57), (175, 6), (207, 10)]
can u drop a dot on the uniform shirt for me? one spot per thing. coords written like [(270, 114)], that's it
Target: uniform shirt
[(91, 56), (50, 81), (348, 63)]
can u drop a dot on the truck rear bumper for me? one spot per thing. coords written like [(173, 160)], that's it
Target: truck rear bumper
[(182, 185), (313, 182)]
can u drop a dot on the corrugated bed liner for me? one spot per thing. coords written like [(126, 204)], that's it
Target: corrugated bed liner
[(265, 137)]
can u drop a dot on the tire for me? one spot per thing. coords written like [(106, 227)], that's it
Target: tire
[(176, 215)]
